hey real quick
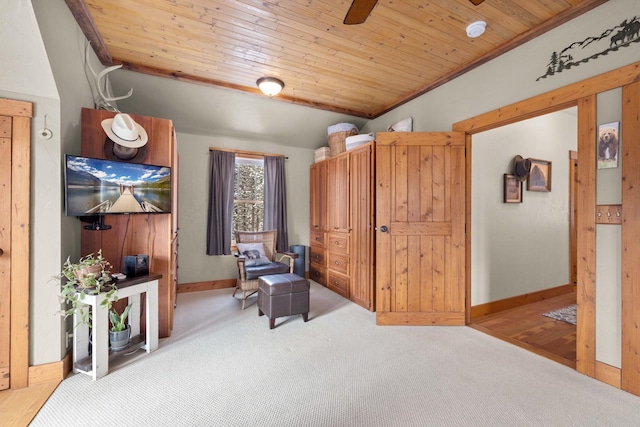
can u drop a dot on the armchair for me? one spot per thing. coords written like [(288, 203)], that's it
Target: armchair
[(257, 257)]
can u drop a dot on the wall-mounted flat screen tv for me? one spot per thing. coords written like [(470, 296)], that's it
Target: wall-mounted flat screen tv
[(97, 187)]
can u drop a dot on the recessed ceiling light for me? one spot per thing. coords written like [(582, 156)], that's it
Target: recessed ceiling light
[(476, 29)]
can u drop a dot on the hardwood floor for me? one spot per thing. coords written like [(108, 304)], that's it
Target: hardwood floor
[(526, 327), (18, 407)]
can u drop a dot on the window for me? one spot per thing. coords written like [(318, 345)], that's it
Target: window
[(239, 200), (248, 195)]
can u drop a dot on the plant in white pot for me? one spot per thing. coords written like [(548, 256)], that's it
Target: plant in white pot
[(89, 276), (120, 332)]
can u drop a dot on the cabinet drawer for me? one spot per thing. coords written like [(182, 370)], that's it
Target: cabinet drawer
[(338, 242), (338, 262), (317, 237), (316, 255), (317, 274), (338, 283)]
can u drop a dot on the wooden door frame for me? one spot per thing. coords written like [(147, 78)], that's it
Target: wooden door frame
[(21, 113), (583, 96), (573, 193), (630, 377)]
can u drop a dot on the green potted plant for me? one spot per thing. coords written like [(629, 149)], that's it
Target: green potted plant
[(89, 276), (120, 332)]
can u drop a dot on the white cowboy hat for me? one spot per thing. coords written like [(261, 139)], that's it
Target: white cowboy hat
[(123, 130)]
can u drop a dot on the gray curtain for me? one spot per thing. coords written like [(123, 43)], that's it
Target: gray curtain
[(220, 215), (275, 200)]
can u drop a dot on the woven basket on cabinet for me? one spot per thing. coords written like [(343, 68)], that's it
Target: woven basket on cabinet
[(337, 141)]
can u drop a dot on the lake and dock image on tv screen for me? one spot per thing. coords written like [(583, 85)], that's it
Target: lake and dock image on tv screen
[(96, 187)]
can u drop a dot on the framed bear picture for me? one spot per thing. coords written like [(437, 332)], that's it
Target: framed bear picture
[(608, 145)]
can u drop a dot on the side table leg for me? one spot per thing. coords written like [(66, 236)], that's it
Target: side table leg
[(100, 342), (134, 314), (80, 339), (152, 316)]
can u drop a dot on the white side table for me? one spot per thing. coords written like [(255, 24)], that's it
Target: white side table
[(96, 365)]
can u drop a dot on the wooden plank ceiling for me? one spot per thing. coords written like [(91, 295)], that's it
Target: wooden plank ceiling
[(404, 49)]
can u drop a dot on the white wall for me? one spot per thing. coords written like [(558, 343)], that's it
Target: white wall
[(193, 151), (609, 245), (518, 248), (22, 49)]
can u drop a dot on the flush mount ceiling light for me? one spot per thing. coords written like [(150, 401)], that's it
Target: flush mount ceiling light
[(270, 86), (475, 29)]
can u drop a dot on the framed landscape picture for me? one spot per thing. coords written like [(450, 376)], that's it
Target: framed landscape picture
[(512, 192), (539, 176)]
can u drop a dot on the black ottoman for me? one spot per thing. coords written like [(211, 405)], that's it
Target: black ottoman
[(283, 295)]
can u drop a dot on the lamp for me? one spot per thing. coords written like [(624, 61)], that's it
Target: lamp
[(270, 86), (476, 29)]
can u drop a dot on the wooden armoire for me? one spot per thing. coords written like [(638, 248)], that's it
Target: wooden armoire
[(152, 234), (409, 264), (341, 254)]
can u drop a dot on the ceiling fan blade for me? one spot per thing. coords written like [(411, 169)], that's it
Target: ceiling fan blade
[(359, 11), (476, 2)]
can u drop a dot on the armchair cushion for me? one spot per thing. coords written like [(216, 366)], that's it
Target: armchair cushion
[(254, 254), (253, 272), (252, 262), (251, 250)]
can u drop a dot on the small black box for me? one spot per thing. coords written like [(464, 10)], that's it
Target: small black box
[(137, 265)]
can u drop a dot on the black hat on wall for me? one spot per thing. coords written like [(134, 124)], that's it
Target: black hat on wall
[(521, 167)]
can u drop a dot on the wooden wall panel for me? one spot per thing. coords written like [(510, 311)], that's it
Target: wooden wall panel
[(136, 234), (630, 372)]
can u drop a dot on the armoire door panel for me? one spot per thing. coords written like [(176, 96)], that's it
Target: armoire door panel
[(361, 252)]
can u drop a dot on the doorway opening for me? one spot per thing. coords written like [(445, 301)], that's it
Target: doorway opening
[(523, 254)]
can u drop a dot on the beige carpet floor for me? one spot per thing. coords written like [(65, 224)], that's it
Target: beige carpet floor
[(224, 367)]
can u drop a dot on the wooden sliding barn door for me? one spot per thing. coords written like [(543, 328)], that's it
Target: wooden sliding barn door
[(420, 228)]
